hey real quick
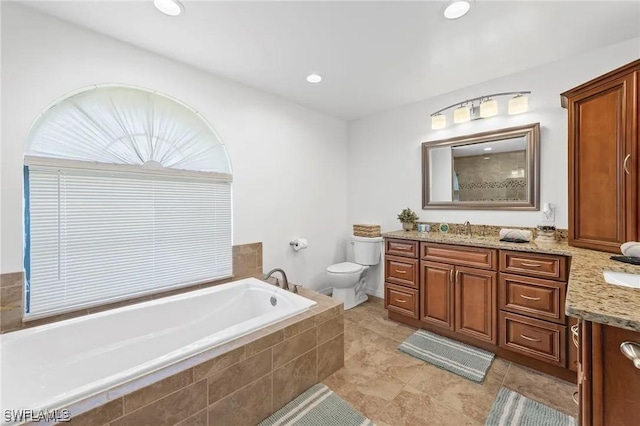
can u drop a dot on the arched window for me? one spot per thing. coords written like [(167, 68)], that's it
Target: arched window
[(127, 192)]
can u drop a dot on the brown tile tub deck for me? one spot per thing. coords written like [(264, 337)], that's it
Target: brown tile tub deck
[(239, 383)]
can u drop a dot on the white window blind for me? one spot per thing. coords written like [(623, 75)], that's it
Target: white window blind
[(98, 236)]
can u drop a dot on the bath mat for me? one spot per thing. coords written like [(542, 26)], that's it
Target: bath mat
[(317, 406), (463, 360), (512, 409)]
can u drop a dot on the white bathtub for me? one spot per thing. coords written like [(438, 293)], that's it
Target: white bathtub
[(56, 365)]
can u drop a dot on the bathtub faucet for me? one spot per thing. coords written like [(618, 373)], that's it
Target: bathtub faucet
[(285, 282)]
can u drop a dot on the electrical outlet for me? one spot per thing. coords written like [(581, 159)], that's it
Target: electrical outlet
[(548, 213)]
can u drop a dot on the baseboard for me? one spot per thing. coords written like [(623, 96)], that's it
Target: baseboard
[(376, 293), (326, 291)]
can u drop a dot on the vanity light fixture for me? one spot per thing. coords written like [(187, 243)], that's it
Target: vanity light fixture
[(518, 104), (481, 107), (314, 78), (488, 108), (438, 121), (488, 148), (462, 114), (457, 9), (169, 7)]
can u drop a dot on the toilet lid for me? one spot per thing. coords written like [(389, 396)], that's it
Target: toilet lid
[(344, 268)]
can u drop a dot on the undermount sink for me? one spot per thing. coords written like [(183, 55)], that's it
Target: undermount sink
[(623, 279)]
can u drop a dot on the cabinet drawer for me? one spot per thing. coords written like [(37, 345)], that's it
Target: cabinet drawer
[(534, 338), (406, 248), (534, 264), (475, 257), (542, 299), (401, 270), (401, 300)]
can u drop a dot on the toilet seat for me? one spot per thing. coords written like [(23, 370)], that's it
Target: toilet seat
[(344, 268)]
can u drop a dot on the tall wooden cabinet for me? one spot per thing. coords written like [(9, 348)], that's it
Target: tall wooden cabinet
[(603, 159)]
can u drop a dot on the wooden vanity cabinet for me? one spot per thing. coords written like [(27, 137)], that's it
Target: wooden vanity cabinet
[(608, 382), (603, 159), (504, 301)]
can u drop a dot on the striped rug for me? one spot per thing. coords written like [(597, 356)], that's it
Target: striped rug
[(512, 409), (317, 406), (463, 360)]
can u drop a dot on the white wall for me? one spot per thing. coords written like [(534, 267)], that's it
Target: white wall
[(289, 162), (384, 149)]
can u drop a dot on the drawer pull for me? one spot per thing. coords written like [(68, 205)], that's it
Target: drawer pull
[(400, 300), (574, 334), (405, 248), (531, 265), (574, 396), (399, 271), (529, 297), (632, 351), (531, 339)]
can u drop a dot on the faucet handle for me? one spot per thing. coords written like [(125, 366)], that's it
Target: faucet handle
[(277, 283), (295, 288)]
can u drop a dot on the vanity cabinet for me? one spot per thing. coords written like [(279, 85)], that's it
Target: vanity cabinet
[(608, 382), (603, 159), (504, 301)]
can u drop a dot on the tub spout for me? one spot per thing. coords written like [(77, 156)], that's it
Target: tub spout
[(285, 282)]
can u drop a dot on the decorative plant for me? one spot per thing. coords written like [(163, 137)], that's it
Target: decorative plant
[(408, 216)]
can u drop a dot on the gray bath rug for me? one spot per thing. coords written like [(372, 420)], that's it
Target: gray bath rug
[(512, 409), (317, 406), (463, 360)]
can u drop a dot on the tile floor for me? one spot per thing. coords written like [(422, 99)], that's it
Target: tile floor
[(393, 388)]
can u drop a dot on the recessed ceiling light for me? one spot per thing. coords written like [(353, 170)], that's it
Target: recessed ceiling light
[(488, 148), (169, 7), (314, 78), (457, 9)]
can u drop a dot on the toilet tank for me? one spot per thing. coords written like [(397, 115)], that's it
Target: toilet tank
[(367, 251)]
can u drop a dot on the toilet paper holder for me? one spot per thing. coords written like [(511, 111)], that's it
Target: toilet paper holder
[(299, 244)]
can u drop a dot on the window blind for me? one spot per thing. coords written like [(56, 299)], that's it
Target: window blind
[(99, 236)]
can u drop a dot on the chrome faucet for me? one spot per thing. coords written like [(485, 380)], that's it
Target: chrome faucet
[(467, 226), (285, 282)]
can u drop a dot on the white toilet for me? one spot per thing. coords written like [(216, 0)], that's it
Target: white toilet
[(349, 279)]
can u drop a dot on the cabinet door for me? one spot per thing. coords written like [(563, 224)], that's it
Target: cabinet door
[(475, 303), (615, 380), (436, 294), (603, 165)]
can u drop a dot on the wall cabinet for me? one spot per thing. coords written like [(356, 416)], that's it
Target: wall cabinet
[(608, 382), (603, 159)]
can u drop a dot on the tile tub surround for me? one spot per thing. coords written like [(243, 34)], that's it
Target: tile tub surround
[(247, 262), (238, 383), (589, 297), (393, 388)]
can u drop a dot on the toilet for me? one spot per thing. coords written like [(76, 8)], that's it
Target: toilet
[(348, 279)]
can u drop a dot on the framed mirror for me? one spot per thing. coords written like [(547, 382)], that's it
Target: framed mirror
[(496, 170)]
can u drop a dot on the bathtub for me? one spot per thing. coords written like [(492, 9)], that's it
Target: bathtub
[(53, 366)]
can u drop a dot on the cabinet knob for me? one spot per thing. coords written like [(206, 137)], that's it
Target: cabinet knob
[(632, 351)]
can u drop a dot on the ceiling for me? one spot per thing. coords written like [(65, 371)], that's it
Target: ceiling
[(373, 55)]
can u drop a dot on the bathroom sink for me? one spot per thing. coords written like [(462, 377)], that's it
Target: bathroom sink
[(623, 279)]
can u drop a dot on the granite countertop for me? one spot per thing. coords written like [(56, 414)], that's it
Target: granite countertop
[(589, 297)]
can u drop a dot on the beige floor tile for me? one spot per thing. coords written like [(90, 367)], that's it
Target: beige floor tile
[(548, 390), (467, 397), (357, 338), (412, 407), (375, 319)]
